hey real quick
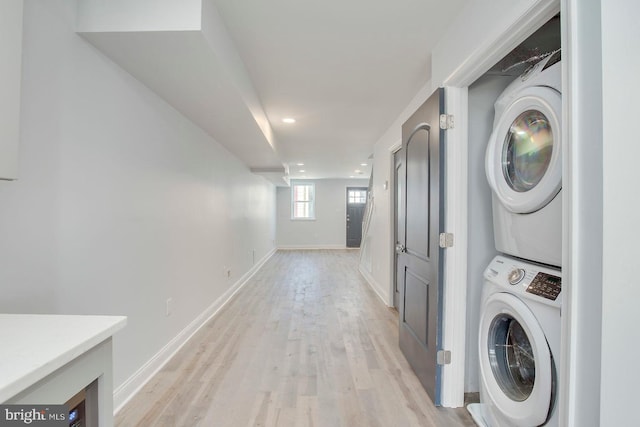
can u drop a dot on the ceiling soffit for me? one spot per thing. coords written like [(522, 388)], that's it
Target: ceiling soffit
[(183, 53)]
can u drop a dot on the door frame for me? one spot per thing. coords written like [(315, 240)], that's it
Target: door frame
[(394, 238), (456, 210)]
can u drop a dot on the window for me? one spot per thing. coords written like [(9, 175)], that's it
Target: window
[(357, 196), (303, 201)]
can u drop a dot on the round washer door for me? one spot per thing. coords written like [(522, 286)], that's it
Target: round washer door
[(515, 361), (523, 161)]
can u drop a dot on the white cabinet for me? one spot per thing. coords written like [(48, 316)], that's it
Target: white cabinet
[(10, 73), (47, 359)]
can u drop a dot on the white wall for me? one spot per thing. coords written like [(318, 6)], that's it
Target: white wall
[(328, 230), (600, 312), (10, 66), (621, 210), (481, 247), (121, 202), (139, 15)]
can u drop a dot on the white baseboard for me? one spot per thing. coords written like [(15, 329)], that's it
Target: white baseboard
[(133, 384), (313, 247), (375, 286)]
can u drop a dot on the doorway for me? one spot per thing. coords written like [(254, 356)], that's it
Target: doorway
[(511, 29), (356, 202)]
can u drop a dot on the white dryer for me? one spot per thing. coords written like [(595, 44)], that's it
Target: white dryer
[(524, 165), (519, 345)]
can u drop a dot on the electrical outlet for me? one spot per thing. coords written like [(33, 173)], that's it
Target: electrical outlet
[(169, 307)]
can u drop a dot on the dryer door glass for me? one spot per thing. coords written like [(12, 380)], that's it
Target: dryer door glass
[(527, 150), (511, 357)]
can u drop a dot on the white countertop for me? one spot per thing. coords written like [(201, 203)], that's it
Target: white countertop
[(33, 346)]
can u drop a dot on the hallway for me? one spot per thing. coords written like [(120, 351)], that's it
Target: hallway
[(305, 342)]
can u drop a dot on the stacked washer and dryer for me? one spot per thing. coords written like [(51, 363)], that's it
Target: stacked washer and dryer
[(519, 337)]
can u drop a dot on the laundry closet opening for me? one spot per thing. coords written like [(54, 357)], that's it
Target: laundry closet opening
[(514, 190)]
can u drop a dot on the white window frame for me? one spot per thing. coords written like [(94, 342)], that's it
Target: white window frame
[(312, 201)]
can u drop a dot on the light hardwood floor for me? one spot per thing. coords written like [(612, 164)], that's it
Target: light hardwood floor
[(305, 343)]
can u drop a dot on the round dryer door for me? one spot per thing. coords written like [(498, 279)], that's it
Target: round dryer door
[(515, 362), (523, 162)]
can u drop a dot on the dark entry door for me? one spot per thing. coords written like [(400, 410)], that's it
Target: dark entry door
[(419, 258), (356, 201)]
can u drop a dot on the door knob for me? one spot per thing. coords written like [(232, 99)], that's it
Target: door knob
[(400, 248)]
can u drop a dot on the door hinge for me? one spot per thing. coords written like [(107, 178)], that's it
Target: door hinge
[(446, 240), (446, 121), (443, 357)]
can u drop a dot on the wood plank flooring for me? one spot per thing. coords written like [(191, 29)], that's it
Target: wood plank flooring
[(305, 343)]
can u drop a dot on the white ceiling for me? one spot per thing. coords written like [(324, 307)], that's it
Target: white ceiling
[(344, 69)]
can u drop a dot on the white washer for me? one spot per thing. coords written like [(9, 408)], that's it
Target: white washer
[(519, 345), (524, 165)]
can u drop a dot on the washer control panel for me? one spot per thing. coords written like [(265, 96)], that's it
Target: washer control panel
[(515, 276), (525, 278), (546, 286)]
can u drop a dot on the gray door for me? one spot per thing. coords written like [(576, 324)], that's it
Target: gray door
[(356, 201), (419, 258)]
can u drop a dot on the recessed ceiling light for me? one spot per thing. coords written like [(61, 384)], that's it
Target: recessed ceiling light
[(300, 164), (301, 171), (289, 120), (363, 164), (351, 176), (357, 171)]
